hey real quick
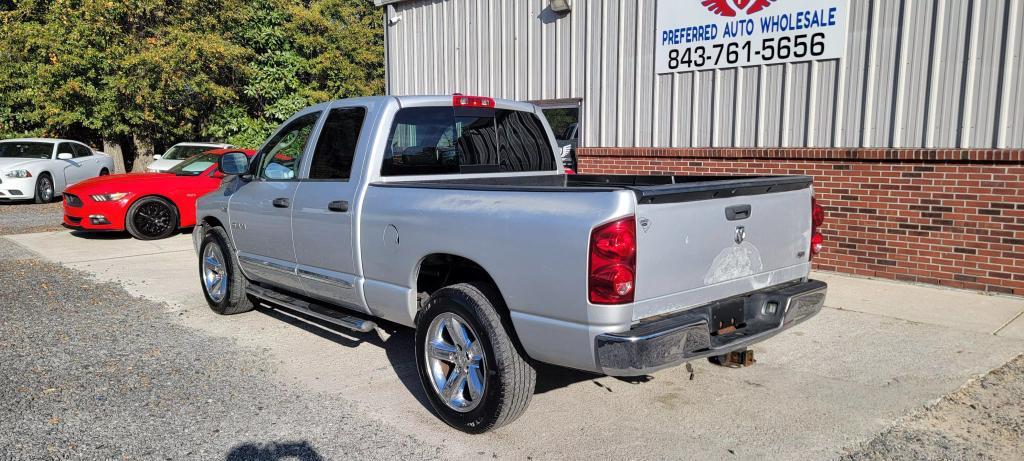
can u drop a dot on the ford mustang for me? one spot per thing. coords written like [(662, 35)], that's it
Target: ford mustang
[(148, 205), (40, 168)]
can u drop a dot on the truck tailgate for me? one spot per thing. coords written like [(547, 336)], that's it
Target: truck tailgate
[(702, 241)]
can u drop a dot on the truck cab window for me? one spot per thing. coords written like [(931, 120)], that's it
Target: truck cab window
[(280, 158), (524, 142), (422, 141), (336, 147), (442, 140)]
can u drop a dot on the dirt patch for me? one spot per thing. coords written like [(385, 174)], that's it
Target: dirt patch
[(28, 217), (982, 420)]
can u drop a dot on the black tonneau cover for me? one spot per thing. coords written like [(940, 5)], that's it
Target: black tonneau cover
[(648, 189)]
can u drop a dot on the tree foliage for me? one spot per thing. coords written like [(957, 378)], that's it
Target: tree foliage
[(166, 71)]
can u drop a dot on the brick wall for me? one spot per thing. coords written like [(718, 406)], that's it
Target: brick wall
[(947, 217)]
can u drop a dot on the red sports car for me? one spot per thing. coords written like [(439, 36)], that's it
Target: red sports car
[(148, 205)]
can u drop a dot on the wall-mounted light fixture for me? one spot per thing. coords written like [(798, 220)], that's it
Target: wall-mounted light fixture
[(561, 6)]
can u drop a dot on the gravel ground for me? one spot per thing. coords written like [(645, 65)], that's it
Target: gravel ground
[(983, 420), (28, 217), (89, 371)]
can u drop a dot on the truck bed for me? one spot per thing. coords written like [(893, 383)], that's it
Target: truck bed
[(648, 189), (700, 238)]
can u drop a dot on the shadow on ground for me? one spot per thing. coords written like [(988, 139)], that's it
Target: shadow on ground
[(116, 235), (272, 451), (400, 349), (107, 235)]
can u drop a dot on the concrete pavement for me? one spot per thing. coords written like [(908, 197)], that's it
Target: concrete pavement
[(880, 350), (959, 309)]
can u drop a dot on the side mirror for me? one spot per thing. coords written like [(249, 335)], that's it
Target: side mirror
[(65, 156), (158, 157), (235, 163)]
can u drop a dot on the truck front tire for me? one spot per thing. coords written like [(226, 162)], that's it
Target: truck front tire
[(474, 376), (223, 283)]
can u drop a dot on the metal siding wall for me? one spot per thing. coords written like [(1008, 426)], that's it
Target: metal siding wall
[(703, 115), (917, 73), (748, 103), (592, 100), (882, 75), (824, 106), (914, 68), (854, 64), (724, 110), (985, 72), (643, 135), (626, 101), (948, 74), (1012, 101), (795, 112), (771, 112)]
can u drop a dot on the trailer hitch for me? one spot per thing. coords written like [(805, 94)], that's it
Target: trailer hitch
[(735, 359)]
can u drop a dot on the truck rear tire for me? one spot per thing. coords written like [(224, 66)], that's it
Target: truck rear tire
[(474, 376), (223, 283)]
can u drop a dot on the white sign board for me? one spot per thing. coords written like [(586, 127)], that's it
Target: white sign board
[(712, 34)]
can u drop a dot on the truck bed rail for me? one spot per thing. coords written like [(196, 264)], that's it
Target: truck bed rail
[(648, 189)]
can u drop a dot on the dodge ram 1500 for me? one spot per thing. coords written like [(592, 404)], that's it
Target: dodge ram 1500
[(452, 215)]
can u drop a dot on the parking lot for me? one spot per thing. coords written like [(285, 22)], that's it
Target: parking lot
[(109, 349)]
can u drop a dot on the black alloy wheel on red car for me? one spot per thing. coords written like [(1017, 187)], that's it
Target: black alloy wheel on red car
[(152, 218)]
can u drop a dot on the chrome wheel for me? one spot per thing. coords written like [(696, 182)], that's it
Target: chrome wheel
[(45, 189), (215, 278), (456, 362)]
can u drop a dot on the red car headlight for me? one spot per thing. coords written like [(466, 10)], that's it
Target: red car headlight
[(109, 197)]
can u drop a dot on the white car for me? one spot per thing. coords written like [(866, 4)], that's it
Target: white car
[(181, 151), (40, 168)]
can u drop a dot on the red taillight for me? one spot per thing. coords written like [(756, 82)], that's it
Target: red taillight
[(612, 277), (817, 219), (472, 101)]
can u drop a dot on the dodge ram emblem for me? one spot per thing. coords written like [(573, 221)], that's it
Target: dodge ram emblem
[(645, 224), (741, 234)]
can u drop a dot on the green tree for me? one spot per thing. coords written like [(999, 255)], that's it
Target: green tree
[(305, 53), (161, 71)]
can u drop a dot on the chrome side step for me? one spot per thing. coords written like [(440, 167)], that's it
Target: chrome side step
[(321, 312)]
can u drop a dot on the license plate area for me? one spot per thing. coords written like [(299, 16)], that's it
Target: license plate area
[(728, 316)]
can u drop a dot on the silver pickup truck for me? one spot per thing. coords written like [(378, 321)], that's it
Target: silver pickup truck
[(452, 215)]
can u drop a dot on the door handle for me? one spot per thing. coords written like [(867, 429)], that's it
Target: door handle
[(282, 203), (737, 212), (340, 206)]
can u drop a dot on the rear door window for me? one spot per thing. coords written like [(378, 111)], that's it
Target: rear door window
[(336, 147), (446, 140)]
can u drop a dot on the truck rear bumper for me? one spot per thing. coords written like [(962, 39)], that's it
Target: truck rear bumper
[(669, 340)]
